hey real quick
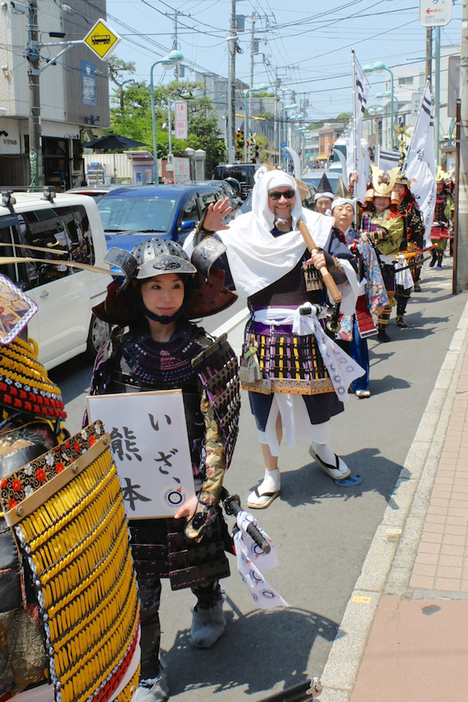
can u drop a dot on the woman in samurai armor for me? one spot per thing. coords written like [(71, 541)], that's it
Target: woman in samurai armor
[(372, 294), (163, 350), (383, 223), (443, 215), (292, 381), (413, 239), (44, 655)]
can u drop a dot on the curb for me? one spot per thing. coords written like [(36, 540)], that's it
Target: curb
[(388, 566)]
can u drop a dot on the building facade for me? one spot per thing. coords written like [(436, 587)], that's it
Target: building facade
[(74, 91)]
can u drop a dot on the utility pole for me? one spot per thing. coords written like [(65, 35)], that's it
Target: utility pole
[(428, 76), (175, 44), (252, 65), (32, 56), (462, 258), (437, 95), (232, 84)]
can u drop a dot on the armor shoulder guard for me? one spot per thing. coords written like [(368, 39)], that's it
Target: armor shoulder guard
[(217, 370)]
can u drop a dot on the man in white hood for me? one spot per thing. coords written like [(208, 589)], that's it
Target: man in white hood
[(302, 377)]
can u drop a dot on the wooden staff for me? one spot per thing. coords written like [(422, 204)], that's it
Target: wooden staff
[(330, 284)]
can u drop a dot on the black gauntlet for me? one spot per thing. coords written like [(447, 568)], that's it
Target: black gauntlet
[(333, 267)]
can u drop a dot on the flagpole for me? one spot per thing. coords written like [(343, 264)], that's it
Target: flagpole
[(355, 138), (354, 112)]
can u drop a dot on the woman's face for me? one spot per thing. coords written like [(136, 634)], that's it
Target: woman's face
[(344, 215), (381, 203), (400, 189), (322, 204), (163, 294)]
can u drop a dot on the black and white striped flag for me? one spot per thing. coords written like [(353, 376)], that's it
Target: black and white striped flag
[(421, 163), (355, 161)]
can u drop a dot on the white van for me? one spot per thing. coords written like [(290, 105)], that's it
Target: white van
[(64, 325)]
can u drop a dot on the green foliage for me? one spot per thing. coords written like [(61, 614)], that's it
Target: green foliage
[(131, 117)]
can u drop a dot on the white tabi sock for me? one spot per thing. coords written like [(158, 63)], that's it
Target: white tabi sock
[(324, 452), (271, 482)]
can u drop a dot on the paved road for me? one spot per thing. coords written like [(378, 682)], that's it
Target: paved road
[(322, 532)]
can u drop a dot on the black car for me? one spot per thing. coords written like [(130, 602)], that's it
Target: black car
[(227, 190), (243, 172)]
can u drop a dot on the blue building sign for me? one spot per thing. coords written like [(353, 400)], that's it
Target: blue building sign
[(88, 83)]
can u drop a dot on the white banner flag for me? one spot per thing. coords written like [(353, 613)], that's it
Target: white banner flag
[(252, 561), (421, 164), (356, 160)]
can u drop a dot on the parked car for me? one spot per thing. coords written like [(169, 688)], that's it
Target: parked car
[(243, 172), (64, 325), (227, 190), (94, 191), (314, 178), (133, 213)]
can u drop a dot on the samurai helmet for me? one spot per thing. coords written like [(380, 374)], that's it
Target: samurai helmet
[(441, 175), (382, 185), (383, 182), (151, 257)]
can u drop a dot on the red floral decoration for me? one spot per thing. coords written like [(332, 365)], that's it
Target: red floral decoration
[(40, 474), (16, 485)]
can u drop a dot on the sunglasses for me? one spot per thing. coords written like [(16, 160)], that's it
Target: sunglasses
[(288, 194)]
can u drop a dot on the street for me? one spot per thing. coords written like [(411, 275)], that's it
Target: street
[(321, 531)]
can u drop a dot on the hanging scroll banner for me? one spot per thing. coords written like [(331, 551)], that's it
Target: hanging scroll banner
[(150, 448)]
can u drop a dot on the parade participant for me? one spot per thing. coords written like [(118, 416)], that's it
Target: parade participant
[(373, 296), (161, 351), (413, 239), (323, 198), (293, 386), (442, 222), (380, 218), (69, 615)]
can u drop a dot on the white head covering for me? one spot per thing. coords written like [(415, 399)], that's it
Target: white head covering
[(266, 181), (317, 195), (343, 201)]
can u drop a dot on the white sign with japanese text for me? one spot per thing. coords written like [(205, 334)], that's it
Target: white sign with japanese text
[(180, 116), (150, 448), (435, 13)]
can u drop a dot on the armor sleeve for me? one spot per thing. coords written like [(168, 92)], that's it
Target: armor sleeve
[(449, 208), (392, 240), (208, 497), (415, 225), (216, 367)]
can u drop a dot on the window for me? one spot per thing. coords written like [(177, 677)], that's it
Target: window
[(138, 214), (331, 135), (322, 149), (408, 80), (190, 210), (63, 230)]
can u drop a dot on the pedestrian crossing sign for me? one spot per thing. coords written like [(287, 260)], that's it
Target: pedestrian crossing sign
[(101, 39)]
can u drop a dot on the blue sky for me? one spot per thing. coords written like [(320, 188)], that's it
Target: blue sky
[(309, 45)]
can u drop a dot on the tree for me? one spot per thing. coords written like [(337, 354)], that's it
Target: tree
[(132, 117), (116, 68)]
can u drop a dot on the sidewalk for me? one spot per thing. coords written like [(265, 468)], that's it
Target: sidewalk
[(404, 635)]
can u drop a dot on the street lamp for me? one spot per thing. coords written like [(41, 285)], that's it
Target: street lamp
[(174, 57), (255, 89), (378, 67)]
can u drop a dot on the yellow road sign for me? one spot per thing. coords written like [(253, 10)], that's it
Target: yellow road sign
[(101, 39)]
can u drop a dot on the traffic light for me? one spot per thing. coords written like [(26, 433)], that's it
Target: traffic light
[(240, 139), (254, 151)]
